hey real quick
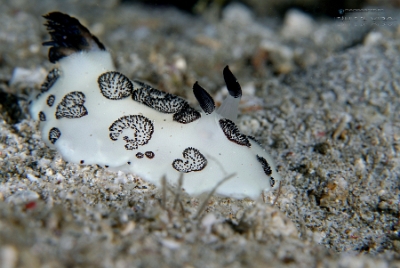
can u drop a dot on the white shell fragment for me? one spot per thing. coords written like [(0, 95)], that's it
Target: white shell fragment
[(93, 114)]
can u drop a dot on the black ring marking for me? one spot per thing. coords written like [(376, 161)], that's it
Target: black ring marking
[(51, 78), (158, 100), (165, 103), (42, 116), (272, 181), (71, 106), (50, 100), (186, 115), (149, 154), (114, 85), (54, 135), (138, 129), (266, 167), (193, 161), (232, 132)]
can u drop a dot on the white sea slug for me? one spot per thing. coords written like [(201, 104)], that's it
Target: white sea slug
[(93, 114)]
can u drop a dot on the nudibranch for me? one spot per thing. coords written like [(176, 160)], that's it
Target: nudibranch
[(92, 114)]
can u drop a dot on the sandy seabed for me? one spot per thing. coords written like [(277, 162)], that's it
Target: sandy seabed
[(322, 96)]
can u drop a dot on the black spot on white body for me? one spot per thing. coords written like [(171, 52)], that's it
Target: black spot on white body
[(54, 135), (272, 181), (42, 116), (115, 86), (165, 103), (232, 132), (158, 100), (51, 78), (186, 115), (149, 154), (137, 130), (193, 161), (71, 106), (50, 100), (266, 167)]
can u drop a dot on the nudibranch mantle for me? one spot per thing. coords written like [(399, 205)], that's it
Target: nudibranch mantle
[(93, 114)]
